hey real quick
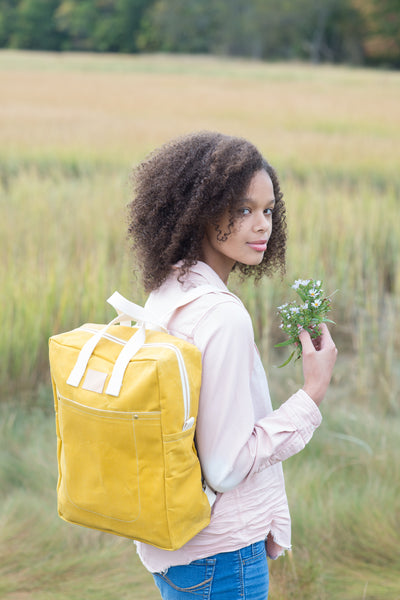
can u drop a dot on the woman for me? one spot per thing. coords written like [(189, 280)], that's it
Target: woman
[(206, 204)]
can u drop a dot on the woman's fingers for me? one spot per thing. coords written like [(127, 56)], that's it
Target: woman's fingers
[(306, 341), (318, 362)]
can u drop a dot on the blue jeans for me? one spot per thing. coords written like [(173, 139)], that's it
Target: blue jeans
[(238, 575)]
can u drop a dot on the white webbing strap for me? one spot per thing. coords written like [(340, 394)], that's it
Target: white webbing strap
[(86, 352), (143, 315), (129, 311), (131, 347), (190, 296), (134, 311), (211, 495)]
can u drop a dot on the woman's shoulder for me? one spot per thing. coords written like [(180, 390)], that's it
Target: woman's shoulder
[(198, 300), (222, 311), (214, 314)]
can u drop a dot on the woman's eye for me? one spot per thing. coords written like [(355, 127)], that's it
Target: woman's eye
[(244, 211), (268, 211)]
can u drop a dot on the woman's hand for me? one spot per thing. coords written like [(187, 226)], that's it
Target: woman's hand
[(319, 357)]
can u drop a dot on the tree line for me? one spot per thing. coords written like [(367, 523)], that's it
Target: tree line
[(339, 31)]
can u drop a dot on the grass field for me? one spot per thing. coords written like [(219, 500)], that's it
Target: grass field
[(71, 127)]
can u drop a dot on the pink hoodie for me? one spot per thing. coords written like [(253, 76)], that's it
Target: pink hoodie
[(241, 440)]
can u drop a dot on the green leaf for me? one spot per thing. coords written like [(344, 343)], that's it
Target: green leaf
[(287, 361), (302, 295), (286, 343)]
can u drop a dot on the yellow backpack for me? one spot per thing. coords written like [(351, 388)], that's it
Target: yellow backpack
[(126, 401)]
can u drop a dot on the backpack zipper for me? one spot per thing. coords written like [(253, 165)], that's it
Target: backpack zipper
[(189, 421), (135, 414)]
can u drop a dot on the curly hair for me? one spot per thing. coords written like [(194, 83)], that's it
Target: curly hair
[(187, 184)]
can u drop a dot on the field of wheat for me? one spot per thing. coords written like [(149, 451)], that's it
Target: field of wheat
[(71, 128)]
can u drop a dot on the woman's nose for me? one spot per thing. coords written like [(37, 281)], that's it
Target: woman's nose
[(263, 223)]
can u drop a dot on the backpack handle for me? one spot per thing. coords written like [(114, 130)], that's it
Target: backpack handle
[(87, 350), (143, 317), (134, 312), (129, 311)]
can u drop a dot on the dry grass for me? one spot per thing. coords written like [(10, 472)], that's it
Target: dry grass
[(72, 125), (301, 116), (70, 128)]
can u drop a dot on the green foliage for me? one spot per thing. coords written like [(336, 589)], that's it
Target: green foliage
[(259, 29), (76, 20), (308, 315), (323, 31), (34, 26), (128, 23), (384, 32), (176, 26), (7, 21), (101, 25)]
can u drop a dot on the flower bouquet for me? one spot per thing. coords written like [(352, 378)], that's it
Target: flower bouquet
[(308, 315)]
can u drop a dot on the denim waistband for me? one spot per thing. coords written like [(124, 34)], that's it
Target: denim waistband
[(246, 552)]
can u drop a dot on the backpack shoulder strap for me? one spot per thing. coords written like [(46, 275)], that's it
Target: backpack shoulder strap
[(130, 311), (190, 296)]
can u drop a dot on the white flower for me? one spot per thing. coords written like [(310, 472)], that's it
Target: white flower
[(314, 292), (300, 282), (283, 306), (295, 310), (316, 303)]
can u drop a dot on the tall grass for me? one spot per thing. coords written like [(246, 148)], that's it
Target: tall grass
[(343, 492), (71, 127), (345, 508), (42, 558), (64, 251)]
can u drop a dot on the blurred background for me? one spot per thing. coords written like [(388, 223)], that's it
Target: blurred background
[(339, 31), (88, 89)]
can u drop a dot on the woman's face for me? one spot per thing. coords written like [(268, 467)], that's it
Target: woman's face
[(250, 233)]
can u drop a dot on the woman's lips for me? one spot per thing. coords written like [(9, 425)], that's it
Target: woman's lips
[(259, 245)]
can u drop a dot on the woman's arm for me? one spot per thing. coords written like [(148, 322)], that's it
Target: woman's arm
[(232, 443)]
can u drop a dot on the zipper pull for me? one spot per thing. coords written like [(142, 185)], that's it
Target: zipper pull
[(188, 424)]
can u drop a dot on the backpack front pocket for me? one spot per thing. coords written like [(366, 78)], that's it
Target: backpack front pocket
[(99, 471)]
